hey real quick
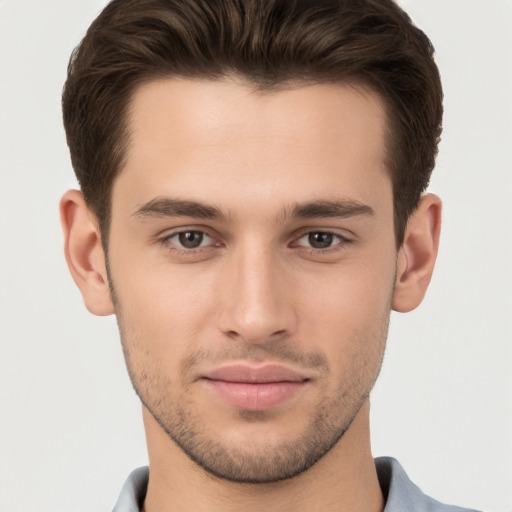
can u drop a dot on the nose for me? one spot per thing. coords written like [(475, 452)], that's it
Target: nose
[(256, 300)]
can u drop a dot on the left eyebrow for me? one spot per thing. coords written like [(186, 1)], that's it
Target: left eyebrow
[(341, 208), (170, 207)]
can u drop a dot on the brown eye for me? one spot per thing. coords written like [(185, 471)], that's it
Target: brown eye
[(190, 239), (190, 243), (320, 240)]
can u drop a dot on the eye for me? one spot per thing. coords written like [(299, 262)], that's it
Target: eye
[(190, 239), (320, 240)]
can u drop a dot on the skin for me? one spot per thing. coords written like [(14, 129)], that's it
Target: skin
[(252, 173)]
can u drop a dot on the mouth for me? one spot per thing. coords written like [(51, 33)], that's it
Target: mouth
[(255, 388)]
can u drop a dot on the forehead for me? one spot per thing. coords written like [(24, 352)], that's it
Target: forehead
[(203, 107), (203, 137)]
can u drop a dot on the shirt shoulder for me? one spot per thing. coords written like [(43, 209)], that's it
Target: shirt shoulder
[(133, 491), (402, 495)]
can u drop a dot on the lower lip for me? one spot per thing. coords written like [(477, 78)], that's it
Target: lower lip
[(255, 397)]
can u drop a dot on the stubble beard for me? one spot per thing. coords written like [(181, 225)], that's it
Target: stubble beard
[(242, 464), (332, 417)]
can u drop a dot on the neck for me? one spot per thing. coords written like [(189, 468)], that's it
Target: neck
[(344, 479)]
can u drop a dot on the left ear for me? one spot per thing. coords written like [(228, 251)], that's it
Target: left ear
[(417, 255)]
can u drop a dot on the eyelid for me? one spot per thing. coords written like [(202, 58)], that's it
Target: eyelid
[(342, 242), (175, 230), (206, 236), (164, 238), (345, 235)]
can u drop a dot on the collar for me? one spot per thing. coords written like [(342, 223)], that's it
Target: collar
[(400, 493)]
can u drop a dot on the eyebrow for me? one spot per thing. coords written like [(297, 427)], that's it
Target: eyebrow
[(168, 207), (339, 208)]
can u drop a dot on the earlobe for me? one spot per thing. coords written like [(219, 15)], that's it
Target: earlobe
[(417, 256), (84, 253)]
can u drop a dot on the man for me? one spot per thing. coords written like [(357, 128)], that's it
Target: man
[(251, 210)]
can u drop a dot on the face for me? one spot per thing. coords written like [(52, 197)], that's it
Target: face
[(252, 255)]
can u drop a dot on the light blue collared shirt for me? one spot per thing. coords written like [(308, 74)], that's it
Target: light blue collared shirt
[(400, 493)]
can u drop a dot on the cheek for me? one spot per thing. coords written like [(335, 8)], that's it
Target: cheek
[(161, 312), (348, 314), (166, 307), (355, 294)]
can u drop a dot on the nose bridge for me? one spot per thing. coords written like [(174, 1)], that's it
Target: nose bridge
[(255, 306)]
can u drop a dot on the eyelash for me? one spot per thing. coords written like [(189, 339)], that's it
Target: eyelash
[(165, 242), (342, 242), (183, 251)]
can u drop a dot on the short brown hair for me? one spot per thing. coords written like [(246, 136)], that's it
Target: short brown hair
[(268, 42)]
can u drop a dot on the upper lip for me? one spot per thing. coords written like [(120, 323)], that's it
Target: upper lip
[(255, 374)]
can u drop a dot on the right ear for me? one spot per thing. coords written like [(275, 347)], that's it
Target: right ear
[(84, 253)]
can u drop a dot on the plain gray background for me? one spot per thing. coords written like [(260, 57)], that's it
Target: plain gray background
[(70, 427)]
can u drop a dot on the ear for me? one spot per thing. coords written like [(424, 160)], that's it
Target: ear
[(417, 255), (84, 253)]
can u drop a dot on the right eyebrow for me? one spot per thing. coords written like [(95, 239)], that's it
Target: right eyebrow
[(340, 208), (170, 207)]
